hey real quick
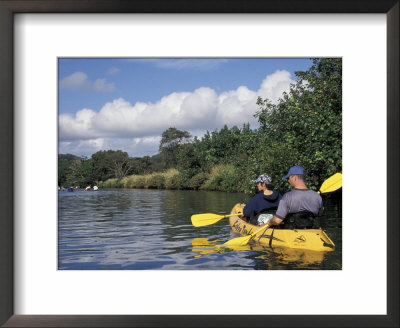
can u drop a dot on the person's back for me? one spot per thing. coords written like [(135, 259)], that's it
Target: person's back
[(297, 208), (266, 201), (261, 204)]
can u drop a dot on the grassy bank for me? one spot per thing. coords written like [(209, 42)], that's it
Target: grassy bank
[(220, 178)]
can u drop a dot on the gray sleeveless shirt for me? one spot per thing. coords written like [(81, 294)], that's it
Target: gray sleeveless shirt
[(299, 200)]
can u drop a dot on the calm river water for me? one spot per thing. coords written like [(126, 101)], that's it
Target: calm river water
[(132, 229)]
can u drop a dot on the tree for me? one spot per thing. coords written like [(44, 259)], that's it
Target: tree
[(86, 173), (171, 141), (305, 126), (142, 165), (64, 162), (73, 175), (111, 164), (121, 164)]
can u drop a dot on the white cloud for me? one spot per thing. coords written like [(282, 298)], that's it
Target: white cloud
[(76, 81), (102, 85), (76, 126), (135, 126), (274, 85), (135, 147), (237, 107), (113, 71), (80, 81)]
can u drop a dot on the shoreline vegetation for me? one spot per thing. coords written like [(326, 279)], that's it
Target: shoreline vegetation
[(216, 180), (303, 128)]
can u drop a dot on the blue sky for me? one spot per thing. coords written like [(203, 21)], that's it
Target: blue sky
[(126, 103)]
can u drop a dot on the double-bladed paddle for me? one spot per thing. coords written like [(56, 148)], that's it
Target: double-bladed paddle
[(331, 184), (199, 220)]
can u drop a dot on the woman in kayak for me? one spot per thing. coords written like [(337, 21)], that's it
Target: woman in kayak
[(264, 204)]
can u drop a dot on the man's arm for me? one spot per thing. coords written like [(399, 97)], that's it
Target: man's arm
[(274, 221)]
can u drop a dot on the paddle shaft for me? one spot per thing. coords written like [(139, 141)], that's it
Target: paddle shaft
[(258, 230), (199, 220), (244, 240)]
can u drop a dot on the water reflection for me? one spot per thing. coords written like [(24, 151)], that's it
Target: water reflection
[(268, 258), (151, 229)]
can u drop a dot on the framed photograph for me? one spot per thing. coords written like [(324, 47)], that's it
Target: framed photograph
[(36, 36)]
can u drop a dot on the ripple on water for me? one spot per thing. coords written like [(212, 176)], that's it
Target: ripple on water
[(151, 229)]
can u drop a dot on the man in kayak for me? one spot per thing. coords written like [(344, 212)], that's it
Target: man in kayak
[(298, 207), (264, 202)]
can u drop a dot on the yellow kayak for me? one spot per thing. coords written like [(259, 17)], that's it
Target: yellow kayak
[(309, 239)]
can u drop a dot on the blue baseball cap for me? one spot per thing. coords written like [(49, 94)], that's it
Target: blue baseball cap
[(295, 170)]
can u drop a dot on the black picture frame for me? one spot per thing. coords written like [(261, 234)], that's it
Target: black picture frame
[(11, 7)]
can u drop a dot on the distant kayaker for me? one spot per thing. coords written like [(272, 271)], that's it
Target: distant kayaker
[(264, 204), (298, 207)]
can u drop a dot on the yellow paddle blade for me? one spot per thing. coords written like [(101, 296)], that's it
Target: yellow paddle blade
[(241, 241), (331, 184), (199, 220)]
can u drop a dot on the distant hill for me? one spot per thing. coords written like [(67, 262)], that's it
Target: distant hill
[(64, 161)]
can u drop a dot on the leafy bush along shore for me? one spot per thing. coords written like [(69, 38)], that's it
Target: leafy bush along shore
[(219, 179), (304, 127)]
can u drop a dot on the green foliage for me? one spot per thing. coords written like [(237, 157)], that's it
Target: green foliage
[(111, 164), (111, 183), (137, 181), (64, 162), (188, 164), (157, 163), (171, 141), (223, 177), (79, 173), (142, 165), (197, 181), (303, 128), (172, 179), (156, 181)]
